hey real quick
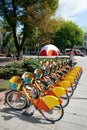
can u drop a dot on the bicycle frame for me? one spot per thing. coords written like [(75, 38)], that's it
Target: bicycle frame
[(45, 103), (52, 90)]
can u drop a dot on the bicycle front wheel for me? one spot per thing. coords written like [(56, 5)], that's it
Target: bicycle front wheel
[(54, 114), (70, 91), (16, 100), (65, 100)]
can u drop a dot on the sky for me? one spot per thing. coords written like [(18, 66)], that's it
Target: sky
[(75, 10)]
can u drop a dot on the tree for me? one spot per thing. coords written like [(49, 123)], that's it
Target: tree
[(2, 35), (48, 31), (25, 14), (68, 35), (42, 21)]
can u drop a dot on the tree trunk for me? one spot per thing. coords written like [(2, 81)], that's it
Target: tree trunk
[(20, 55)]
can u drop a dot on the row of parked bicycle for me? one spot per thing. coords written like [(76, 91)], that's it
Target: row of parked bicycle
[(48, 89)]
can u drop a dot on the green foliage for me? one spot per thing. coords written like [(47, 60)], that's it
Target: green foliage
[(31, 40), (49, 5), (31, 64), (68, 35), (18, 68), (4, 85), (7, 73), (24, 14)]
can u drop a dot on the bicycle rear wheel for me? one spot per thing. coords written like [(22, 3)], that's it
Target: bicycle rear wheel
[(54, 114), (16, 100)]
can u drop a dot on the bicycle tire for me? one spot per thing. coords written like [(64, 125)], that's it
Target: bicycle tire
[(16, 104), (55, 114), (70, 91), (74, 86), (65, 100)]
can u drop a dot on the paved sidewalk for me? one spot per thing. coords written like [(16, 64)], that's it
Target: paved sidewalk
[(75, 114)]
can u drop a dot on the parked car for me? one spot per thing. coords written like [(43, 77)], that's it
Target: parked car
[(76, 52)]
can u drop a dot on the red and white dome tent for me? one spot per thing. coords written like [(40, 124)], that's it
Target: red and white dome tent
[(50, 50)]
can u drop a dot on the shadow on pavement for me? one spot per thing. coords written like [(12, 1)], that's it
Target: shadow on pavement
[(10, 113)]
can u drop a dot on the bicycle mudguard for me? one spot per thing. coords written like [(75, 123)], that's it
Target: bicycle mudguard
[(72, 74), (58, 91), (74, 71), (77, 68), (69, 79), (47, 102), (65, 83)]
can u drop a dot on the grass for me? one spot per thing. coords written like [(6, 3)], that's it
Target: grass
[(4, 85)]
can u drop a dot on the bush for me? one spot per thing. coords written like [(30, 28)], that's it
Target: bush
[(18, 68)]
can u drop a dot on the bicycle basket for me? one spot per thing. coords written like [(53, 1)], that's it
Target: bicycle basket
[(46, 71), (29, 77), (15, 83), (38, 73)]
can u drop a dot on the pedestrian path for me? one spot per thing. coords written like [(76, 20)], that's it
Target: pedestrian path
[(75, 114)]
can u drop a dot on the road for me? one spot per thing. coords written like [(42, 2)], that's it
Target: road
[(75, 114)]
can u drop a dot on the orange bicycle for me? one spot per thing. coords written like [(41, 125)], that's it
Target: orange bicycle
[(46, 105), (46, 88)]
